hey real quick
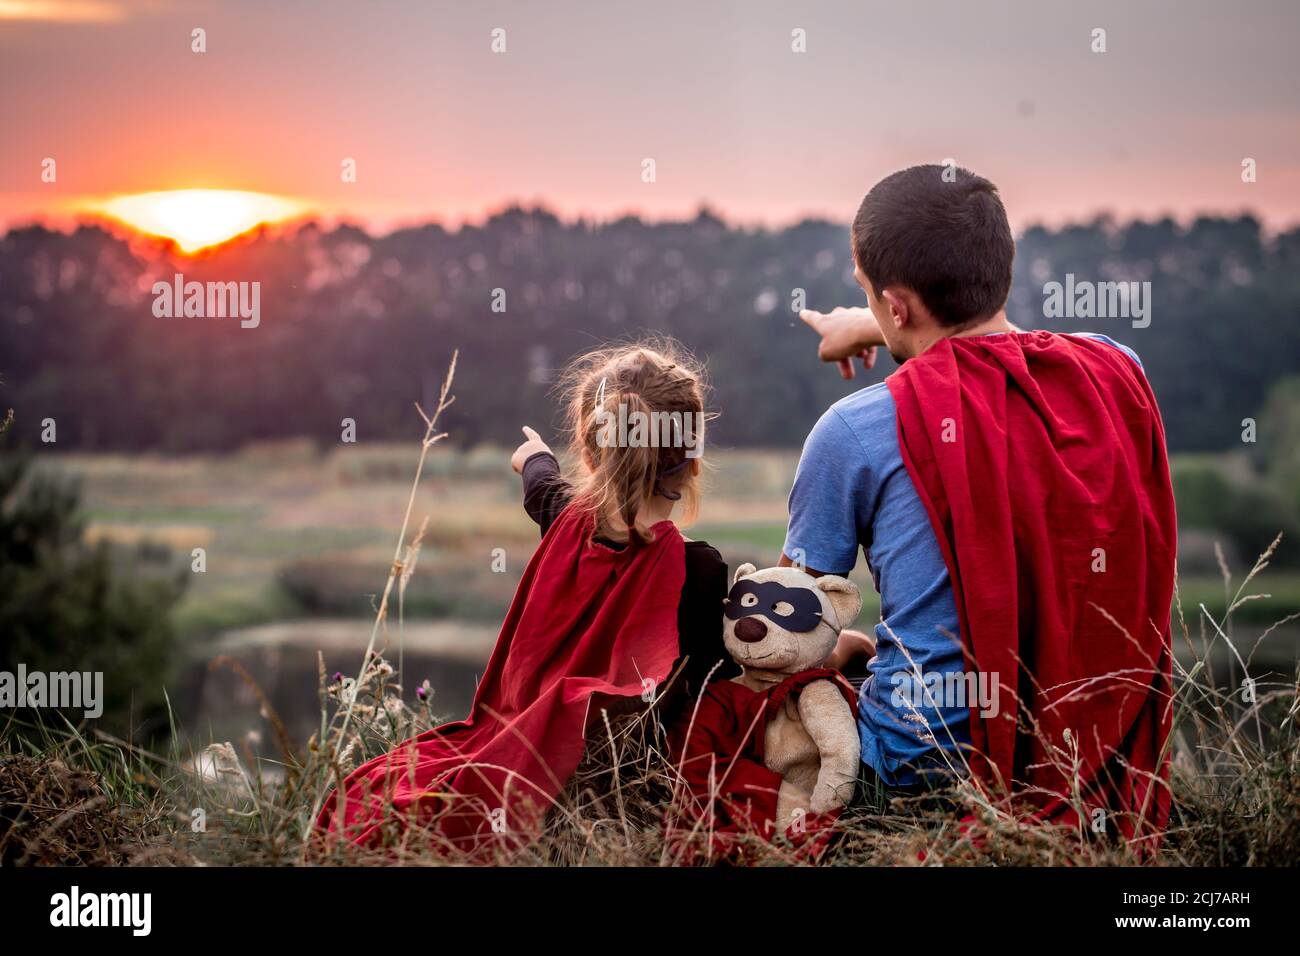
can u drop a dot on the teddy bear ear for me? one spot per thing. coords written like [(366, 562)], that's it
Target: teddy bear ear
[(844, 597), (743, 571)]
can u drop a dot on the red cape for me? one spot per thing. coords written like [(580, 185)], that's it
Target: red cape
[(1041, 461), (588, 624), (728, 792)]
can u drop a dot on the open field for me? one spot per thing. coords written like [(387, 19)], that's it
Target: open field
[(289, 531)]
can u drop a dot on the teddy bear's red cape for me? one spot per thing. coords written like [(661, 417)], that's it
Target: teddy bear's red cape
[(1041, 461), (727, 793), (588, 625)]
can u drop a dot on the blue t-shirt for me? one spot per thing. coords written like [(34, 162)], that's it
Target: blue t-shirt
[(853, 491)]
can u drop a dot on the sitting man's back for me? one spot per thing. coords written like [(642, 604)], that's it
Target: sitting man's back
[(1011, 493)]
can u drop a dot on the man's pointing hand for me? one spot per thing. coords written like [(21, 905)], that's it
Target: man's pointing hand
[(846, 334)]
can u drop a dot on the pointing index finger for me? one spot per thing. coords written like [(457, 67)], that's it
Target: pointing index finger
[(811, 317)]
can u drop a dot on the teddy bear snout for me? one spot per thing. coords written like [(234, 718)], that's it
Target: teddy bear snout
[(750, 630)]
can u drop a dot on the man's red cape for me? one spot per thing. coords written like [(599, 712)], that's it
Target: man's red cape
[(1041, 461), (589, 625), (728, 794)]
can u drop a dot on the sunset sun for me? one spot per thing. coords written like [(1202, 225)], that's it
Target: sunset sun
[(197, 218)]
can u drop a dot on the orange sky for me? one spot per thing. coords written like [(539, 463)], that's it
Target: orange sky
[(440, 126)]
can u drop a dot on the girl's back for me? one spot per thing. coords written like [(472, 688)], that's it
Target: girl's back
[(610, 602)]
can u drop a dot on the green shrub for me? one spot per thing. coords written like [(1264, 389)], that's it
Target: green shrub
[(1247, 511), (68, 606)]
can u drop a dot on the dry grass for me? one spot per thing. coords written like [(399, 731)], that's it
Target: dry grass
[(1235, 783), (51, 813)]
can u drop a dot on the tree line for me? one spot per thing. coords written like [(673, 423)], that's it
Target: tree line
[(355, 326)]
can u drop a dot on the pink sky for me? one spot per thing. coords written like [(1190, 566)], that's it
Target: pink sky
[(441, 127)]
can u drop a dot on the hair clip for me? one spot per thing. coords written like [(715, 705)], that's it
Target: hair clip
[(660, 490)]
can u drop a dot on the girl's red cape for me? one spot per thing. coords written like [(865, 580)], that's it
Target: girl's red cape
[(589, 625)]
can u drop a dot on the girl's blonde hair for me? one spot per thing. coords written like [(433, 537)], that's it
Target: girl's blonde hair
[(613, 479)]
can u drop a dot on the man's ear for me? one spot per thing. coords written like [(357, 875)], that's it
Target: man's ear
[(844, 596), (742, 571), (899, 312)]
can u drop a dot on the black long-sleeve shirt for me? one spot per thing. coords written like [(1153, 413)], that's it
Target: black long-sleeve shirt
[(699, 614)]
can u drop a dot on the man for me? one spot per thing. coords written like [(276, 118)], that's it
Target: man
[(1010, 491)]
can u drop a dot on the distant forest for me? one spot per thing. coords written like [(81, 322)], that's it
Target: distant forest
[(358, 326)]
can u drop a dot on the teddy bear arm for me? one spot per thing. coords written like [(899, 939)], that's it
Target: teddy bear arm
[(828, 718)]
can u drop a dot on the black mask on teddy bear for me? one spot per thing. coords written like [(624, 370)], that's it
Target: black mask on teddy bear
[(805, 609)]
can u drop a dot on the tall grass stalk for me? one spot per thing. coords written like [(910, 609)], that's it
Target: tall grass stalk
[(395, 573)]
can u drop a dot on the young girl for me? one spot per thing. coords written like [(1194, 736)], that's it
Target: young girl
[(612, 600), (626, 490)]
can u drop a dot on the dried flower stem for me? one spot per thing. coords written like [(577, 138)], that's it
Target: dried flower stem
[(431, 437)]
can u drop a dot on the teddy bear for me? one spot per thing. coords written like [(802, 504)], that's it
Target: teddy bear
[(775, 748)]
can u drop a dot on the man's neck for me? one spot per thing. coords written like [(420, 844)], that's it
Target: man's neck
[(989, 326)]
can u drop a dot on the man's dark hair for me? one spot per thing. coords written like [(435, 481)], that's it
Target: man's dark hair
[(948, 241)]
